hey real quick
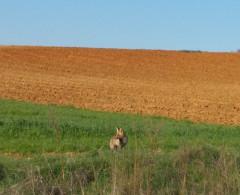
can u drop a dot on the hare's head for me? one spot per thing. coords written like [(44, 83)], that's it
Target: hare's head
[(120, 131)]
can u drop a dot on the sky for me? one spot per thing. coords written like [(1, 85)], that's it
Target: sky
[(207, 25)]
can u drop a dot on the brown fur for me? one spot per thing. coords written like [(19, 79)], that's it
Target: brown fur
[(119, 140)]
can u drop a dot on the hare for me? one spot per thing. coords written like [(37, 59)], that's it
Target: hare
[(119, 140)]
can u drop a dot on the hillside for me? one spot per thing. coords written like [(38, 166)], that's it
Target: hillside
[(199, 86)]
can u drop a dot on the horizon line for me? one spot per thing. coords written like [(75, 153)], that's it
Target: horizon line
[(118, 48)]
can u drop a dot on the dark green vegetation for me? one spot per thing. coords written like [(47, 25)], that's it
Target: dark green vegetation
[(51, 149)]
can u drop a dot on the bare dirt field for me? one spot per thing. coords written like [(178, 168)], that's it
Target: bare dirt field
[(199, 86)]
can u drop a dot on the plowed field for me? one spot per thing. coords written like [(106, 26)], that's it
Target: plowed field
[(182, 85)]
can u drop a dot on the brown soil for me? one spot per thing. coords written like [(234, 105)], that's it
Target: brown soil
[(182, 85)]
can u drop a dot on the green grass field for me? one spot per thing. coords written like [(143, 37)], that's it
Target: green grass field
[(48, 149)]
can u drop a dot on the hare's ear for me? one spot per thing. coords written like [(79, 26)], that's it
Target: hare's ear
[(117, 129)]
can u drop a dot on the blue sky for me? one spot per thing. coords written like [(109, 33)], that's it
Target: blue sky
[(212, 25)]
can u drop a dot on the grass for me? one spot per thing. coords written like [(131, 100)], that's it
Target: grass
[(48, 149)]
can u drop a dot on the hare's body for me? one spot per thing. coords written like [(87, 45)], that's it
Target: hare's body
[(123, 140), (119, 140), (115, 143)]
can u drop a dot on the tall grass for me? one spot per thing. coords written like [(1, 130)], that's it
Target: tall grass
[(62, 150), (200, 170)]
